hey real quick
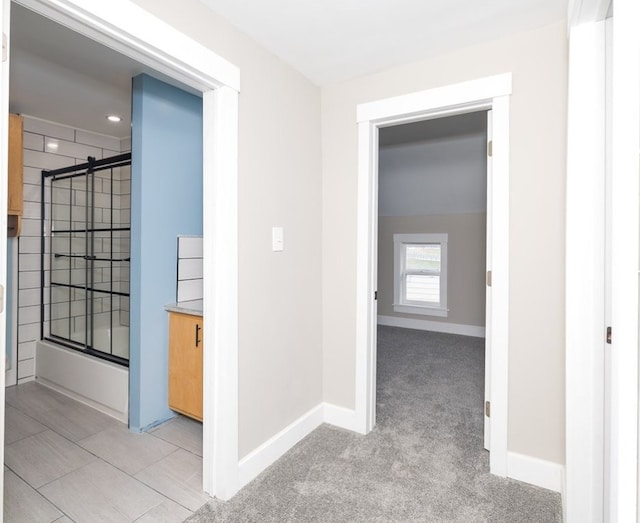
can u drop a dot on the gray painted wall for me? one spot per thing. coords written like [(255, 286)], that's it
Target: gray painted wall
[(441, 170), (466, 267), (433, 179)]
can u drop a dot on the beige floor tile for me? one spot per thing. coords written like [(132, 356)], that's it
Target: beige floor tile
[(178, 477), (76, 421), (125, 450), (32, 398), (18, 426), (23, 504), (43, 457), (166, 512), (100, 492), (183, 432)]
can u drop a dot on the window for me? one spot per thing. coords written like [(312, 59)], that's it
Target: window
[(420, 268)]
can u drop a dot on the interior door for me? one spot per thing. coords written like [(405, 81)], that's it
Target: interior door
[(4, 143), (487, 342)]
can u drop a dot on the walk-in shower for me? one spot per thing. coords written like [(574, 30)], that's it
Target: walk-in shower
[(85, 246)]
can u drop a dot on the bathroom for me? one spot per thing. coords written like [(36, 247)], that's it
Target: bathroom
[(96, 294)]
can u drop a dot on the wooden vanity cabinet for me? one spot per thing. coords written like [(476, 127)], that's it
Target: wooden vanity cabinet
[(185, 364), (15, 201)]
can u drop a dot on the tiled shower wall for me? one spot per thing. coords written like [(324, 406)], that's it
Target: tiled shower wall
[(73, 147), (189, 268)]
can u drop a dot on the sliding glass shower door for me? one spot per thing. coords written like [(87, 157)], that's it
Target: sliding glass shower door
[(85, 260)]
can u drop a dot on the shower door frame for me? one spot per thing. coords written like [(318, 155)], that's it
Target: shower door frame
[(136, 33), (65, 173)]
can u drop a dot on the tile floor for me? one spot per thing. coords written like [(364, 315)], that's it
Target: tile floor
[(65, 462)]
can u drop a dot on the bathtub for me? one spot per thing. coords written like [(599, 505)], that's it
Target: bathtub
[(120, 335), (98, 383)]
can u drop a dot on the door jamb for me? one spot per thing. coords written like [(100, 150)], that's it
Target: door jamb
[(482, 94), (134, 32)]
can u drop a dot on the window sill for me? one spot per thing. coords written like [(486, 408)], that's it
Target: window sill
[(425, 311)]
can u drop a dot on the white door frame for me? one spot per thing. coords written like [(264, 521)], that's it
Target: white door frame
[(134, 32), (585, 276), (482, 94), (585, 304), (625, 210)]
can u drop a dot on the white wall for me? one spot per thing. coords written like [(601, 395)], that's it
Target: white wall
[(538, 62), (280, 352)]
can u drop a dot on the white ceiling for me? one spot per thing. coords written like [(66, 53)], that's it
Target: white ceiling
[(61, 76), (334, 40)]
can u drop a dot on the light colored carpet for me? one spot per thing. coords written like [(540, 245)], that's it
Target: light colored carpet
[(423, 462)]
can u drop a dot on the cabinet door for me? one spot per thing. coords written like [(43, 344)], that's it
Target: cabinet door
[(185, 364), (15, 203)]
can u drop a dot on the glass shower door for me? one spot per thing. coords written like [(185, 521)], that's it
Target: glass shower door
[(88, 258)]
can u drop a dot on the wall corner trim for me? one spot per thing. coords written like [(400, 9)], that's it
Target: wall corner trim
[(535, 471), (275, 447), (563, 492), (340, 417), (434, 326)]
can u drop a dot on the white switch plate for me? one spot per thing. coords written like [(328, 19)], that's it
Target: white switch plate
[(277, 239)]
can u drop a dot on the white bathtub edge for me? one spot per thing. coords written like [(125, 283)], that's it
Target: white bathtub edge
[(98, 383)]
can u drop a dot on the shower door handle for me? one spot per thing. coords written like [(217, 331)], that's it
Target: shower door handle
[(198, 340)]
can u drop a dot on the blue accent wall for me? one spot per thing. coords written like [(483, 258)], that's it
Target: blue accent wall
[(166, 201)]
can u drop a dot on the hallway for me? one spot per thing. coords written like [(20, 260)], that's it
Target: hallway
[(424, 460)]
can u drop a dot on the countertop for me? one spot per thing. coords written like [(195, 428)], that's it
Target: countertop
[(193, 307)]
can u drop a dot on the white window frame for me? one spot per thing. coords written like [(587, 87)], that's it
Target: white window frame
[(400, 303)]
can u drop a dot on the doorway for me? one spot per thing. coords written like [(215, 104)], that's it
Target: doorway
[(432, 239), (490, 93), (135, 33)]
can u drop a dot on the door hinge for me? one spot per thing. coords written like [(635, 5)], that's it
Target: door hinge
[(489, 278), (490, 148), (375, 295), (487, 409), (609, 335), (4, 47)]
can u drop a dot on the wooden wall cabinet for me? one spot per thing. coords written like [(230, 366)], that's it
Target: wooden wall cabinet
[(185, 364), (15, 201)]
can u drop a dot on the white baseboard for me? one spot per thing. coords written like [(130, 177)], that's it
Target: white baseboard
[(340, 417), (534, 471), (275, 447), (434, 326)]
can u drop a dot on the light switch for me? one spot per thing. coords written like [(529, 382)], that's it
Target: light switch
[(277, 238)]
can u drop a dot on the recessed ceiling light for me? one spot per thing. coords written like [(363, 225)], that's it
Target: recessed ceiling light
[(114, 118)]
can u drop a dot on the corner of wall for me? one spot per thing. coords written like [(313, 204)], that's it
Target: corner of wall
[(538, 472)]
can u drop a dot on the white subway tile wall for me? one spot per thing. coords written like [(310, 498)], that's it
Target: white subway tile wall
[(189, 268), (73, 146)]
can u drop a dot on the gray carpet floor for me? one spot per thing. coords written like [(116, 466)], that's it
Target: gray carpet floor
[(423, 462)]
